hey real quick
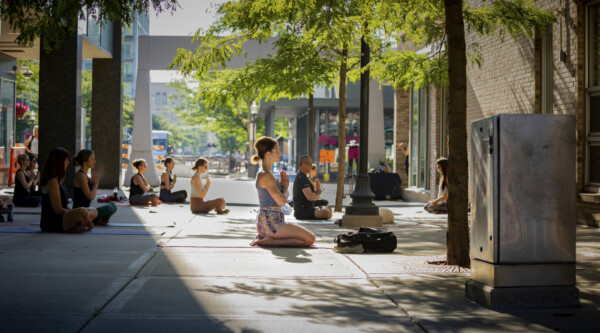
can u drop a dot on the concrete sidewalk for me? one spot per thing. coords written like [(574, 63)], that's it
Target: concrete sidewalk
[(205, 278)]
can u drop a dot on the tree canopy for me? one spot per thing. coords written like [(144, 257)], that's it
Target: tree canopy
[(48, 19)]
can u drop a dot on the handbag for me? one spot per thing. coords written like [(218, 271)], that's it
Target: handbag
[(372, 240)]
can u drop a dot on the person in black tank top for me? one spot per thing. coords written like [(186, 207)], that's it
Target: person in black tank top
[(56, 216), (167, 182), (85, 189), (23, 184), (139, 186)]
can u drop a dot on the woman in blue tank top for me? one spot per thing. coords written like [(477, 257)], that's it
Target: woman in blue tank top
[(272, 194)]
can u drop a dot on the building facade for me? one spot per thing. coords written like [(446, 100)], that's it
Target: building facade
[(555, 72)]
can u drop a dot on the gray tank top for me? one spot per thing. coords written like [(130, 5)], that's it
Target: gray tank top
[(264, 197)]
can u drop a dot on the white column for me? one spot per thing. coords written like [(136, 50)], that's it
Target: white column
[(376, 126), (142, 121)]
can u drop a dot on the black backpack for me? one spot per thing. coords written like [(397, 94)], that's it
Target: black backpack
[(372, 240)]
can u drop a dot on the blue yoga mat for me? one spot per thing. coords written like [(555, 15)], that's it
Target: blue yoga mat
[(97, 232)]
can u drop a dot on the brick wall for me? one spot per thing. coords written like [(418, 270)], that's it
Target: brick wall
[(509, 80), (401, 131)]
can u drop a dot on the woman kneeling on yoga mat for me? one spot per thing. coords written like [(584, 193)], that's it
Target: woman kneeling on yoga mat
[(85, 188), (199, 191), (272, 194), (56, 216)]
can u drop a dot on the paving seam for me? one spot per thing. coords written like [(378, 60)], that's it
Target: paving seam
[(413, 320), (133, 277)]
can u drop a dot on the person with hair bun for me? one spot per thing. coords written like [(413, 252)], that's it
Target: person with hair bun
[(272, 230), (139, 186), (199, 191), (56, 216), (85, 188), (167, 181), (22, 196)]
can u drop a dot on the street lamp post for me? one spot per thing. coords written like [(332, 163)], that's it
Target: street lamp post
[(362, 211), (253, 112)]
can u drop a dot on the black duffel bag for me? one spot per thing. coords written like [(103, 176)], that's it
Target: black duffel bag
[(372, 240)]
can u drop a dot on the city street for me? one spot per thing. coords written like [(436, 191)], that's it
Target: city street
[(155, 269)]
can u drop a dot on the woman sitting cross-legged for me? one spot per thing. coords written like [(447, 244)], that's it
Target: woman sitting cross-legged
[(23, 185), (85, 188), (56, 216), (272, 194), (199, 191), (167, 181), (139, 186)]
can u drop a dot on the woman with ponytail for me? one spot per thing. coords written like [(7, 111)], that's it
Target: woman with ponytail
[(85, 188), (167, 181), (271, 227)]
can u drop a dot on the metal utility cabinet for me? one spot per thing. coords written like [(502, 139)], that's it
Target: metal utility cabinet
[(523, 211)]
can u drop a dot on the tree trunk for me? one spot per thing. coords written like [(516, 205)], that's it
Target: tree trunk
[(339, 194), (457, 236)]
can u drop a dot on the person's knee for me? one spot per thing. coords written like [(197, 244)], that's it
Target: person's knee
[(221, 202), (81, 213)]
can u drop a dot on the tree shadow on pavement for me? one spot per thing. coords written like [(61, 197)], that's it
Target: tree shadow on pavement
[(352, 304)]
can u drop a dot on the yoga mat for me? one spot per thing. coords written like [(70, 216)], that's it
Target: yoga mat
[(94, 231), (110, 224), (163, 244)]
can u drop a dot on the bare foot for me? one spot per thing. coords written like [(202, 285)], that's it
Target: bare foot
[(259, 241), (223, 212)]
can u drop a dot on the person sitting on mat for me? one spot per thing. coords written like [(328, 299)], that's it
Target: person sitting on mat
[(7, 207), (85, 188), (139, 186), (31, 172), (271, 228), (56, 216), (199, 191), (23, 185), (440, 204), (167, 181), (316, 184), (305, 195)]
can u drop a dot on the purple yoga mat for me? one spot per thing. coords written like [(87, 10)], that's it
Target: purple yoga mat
[(94, 231)]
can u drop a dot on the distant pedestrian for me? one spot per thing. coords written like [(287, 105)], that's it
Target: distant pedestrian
[(406, 151), (167, 182), (439, 205), (199, 191), (139, 187), (85, 188), (272, 195), (305, 194), (22, 196), (33, 142), (56, 215)]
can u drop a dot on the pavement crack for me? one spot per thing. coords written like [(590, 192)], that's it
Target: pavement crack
[(411, 318), (98, 311)]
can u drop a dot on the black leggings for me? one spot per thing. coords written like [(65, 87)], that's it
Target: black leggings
[(168, 196), (28, 201)]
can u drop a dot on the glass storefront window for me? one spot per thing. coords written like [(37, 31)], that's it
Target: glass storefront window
[(7, 98), (593, 97), (418, 164)]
